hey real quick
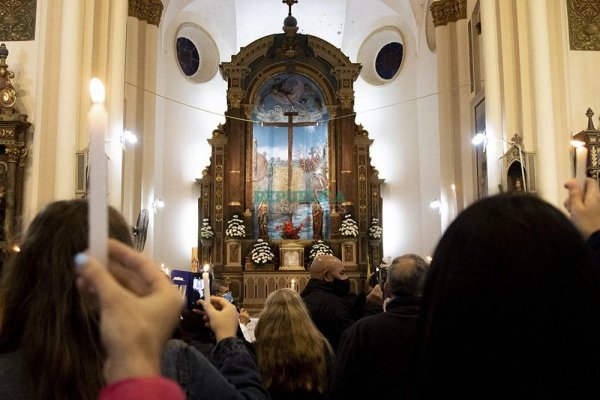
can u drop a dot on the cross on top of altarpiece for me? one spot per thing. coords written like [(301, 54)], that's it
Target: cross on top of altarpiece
[(290, 3), (518, 140)]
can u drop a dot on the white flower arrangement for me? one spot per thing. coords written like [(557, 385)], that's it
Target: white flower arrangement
[(349, 228), (206, 231), (319, 248), (375, 231), (235, 227), (261, 252)]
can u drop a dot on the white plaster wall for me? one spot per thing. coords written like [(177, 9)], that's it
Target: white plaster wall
[(429, 147), (404, 131), (583, 87), (187, 113), (390, 114)]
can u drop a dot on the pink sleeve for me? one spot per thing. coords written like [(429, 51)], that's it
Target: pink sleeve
[(147, 388)]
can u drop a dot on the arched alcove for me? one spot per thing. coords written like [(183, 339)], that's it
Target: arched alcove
[(290, 93)]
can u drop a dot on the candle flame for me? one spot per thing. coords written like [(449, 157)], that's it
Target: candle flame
[(97, 92), (293, 281), (206, 268), (577, 143)]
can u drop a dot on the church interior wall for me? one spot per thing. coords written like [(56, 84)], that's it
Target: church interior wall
[(394, 126), (31, 61), (396, 130), (183, 129), (428, 147), (173, 150), (582, 89)]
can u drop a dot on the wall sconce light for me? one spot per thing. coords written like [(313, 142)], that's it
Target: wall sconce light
[(156, 204), (435, 204), (479, 138), (127, 137)]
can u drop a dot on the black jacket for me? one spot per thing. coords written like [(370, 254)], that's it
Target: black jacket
[(373, 355), (332, 310)]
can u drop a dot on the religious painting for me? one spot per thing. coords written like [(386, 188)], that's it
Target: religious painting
[(290, 157)]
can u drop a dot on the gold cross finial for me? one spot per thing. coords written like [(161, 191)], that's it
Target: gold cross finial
[(518, 140), (290, 3)]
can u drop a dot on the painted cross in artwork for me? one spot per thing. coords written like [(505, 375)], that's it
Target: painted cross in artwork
[(290, 157)]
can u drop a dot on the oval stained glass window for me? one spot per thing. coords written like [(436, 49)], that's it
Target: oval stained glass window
[(187, 56), (389, 59)]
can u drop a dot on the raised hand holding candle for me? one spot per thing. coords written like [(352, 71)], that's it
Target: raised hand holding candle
[(581, 153), (97, 206), (206, 282)]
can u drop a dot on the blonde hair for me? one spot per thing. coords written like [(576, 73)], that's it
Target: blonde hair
[(292, 353)]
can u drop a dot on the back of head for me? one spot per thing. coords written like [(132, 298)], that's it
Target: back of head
[(323, 264), (406, 276), (292, 353), (42, 313), (511, 301)]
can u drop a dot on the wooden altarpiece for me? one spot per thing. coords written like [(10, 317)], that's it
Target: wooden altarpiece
[(13, 156), (288, 69)]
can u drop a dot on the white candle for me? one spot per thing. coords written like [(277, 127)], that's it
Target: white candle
[(580, 165), (293, 286), (206, 283), (98, 210)]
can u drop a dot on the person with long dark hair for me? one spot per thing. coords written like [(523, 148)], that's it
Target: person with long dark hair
[(511, 307), (49, 340)]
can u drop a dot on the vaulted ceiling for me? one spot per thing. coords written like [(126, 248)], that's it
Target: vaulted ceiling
[(344, 23)]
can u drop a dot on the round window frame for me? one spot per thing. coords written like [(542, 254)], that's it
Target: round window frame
[(208, 53), (370, 48), (397, 68), (179, 62)]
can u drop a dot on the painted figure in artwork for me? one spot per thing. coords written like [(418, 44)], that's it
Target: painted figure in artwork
[(263, 219), (317, 219)]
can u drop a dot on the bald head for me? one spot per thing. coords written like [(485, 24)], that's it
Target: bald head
[(406, 275), (327, 267)]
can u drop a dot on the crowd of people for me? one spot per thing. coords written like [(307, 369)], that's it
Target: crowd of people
[(509, 307)]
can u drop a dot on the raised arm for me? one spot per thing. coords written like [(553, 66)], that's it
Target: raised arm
[(138, 311)]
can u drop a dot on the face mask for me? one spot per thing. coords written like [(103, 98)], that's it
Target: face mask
[(343, 285), (228, 296)]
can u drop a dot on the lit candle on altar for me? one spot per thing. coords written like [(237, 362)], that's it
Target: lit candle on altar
[(293, 286), (97, 206), (206, 282), (580, 162)]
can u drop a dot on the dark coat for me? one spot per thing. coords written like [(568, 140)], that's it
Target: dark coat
[(374, 353), (332, 310)]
